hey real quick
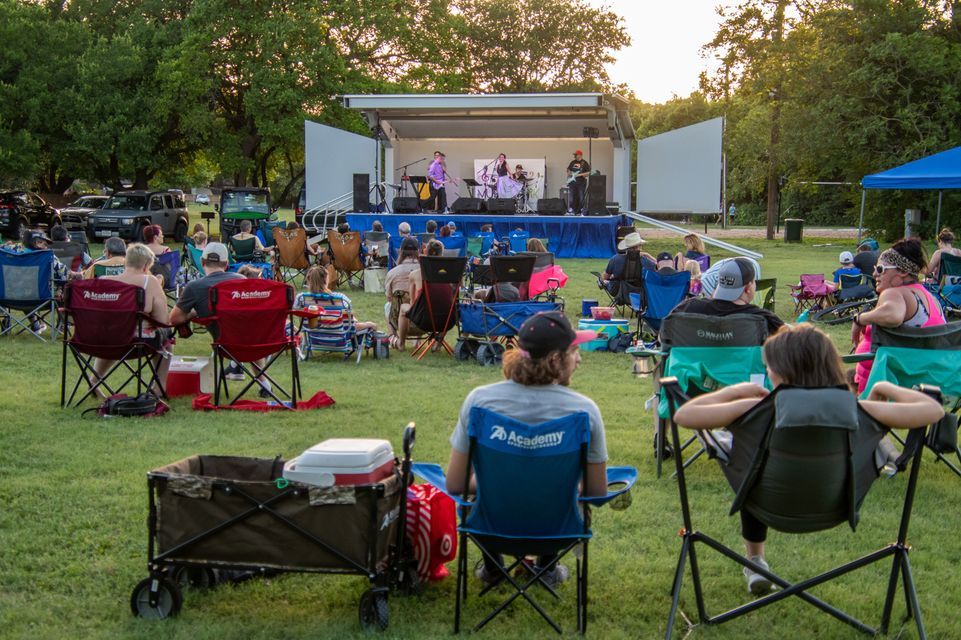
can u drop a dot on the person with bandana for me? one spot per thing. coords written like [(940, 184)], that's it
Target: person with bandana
[(902, 300)]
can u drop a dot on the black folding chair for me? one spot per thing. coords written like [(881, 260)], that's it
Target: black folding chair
[(435, 309), (515, 269), (802, 461)]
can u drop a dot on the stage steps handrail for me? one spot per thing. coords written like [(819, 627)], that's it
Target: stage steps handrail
[(330, 209), (667, 226)]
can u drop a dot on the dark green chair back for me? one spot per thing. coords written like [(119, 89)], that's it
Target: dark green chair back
[(697, 330), (101, 270), (243, 250), (764, 294), (945, 337), (950, 269)]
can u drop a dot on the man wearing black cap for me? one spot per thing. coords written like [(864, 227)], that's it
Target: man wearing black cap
[(734, 293), (535, 390), (665, 264), (577, 172)]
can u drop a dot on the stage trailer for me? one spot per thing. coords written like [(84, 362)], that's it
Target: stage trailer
[(471, 127)]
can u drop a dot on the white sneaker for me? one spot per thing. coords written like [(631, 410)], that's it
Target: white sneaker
[(757, 584)]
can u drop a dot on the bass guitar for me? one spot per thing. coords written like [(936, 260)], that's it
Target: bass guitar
[(575, 176)]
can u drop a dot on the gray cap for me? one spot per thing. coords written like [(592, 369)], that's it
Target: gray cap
[(732, 277), (215, 252)]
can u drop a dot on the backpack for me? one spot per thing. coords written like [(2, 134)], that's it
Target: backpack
[(620, 342), (122, 405)]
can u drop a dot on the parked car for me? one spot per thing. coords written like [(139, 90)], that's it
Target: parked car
[(202, 198), (75, 215), (243, 203), (126, 214), (24, 209), (301, 206)]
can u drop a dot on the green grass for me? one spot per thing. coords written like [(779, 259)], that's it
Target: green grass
[(73, 505)]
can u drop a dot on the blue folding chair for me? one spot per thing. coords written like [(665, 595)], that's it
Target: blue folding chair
[(168, 265), (26, 285), (661, 294), (334, 330), (517, 240), (454, 246), (527, 501)]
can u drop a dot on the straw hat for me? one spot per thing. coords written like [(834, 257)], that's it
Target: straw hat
[(632, 239)]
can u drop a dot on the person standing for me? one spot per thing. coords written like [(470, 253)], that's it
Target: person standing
[(577, 172), (438, 177)]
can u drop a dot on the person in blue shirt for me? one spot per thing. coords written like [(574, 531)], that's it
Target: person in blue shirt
[(847, 267)]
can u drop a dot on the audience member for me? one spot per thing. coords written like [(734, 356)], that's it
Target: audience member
[(945, 245), (60, 237), (709, 277), (432, 248), (343, 228), (631, 246), (444, 232), (316, 282), (865, 259), (377, 226), (800, 356), (665, 264), (847, 267), (536, 389), (403, 229), (902, 300), (397, 284), (535, 245), (200, 239), (733, 294), (153, 238), (138, 261), (693, 249), (431, 226), (250, 271), (114, 251), (197, 228), (695, 270), (194, 298), (245, 233)]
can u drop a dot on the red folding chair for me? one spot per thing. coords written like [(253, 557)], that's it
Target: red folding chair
[(435, 310), (104, 319), (812, 292), (251, 317)]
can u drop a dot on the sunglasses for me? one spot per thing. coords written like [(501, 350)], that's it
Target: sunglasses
[(879, 269)]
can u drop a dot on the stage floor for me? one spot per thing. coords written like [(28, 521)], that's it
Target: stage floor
[(567, 236)]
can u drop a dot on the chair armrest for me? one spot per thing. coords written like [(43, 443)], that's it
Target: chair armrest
[(156, 323), (435, 477), (854, 358), (304, 313), (644, 352), (615, 475)]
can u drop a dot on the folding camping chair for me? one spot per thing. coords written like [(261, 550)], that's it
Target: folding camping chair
[(168, 266), (454, 246), (70, 253), (949, 283), (786, 469), (515, 269), (193, 259), (542, 259), (526, 502), (243, 250), (291, 254), (764, 293), (345, 249), (704, 353), (104, 319), (480, 244), (267, 231), (619, 291), (251, 317), (811, 292), (378, 248), (662, 292), (27, 285), (517, 241), (435, 309), (912, 356), (330, 329)]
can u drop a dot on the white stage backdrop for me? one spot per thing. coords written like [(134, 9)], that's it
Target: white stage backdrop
[(484, 174), (680, 171), (332, 157)]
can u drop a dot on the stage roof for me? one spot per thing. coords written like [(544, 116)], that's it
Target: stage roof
[(938, 171), (502, 116)]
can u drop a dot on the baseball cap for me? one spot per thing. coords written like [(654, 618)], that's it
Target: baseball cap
[(846, 257), (664, 255), (578, 153), (215, 252), (34, 236), (549, 331), (732, 277)]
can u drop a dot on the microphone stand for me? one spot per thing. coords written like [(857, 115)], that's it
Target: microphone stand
[(404, 179)]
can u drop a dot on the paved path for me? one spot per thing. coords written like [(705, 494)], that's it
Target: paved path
[(749, 232)]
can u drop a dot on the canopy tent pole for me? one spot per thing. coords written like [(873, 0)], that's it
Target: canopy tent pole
[(864, 194), (937, 225), (660, 224)]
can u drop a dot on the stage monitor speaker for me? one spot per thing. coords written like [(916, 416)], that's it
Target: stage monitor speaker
[(361, 192), (501, 206), (597, 196), (405, 205), (467, 205), (551, 207)]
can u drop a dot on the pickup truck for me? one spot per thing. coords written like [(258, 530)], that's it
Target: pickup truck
[(21, 210), (126, 214)]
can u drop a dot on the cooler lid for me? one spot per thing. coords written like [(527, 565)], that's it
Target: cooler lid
[(348, 454)]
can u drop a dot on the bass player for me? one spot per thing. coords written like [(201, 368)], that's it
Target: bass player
[(577, 172)]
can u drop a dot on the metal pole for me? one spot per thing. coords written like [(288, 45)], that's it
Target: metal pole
[(864, 195), (937, 225)]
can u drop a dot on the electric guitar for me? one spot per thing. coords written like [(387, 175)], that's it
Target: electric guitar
[(575, 176)]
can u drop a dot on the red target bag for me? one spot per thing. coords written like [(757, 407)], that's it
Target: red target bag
[(432, 530)]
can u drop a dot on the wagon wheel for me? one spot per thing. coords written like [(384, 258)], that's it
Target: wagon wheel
[(844, 312), (193, 577), (166, 603), (374, 614), (462, 350), (489, 353)]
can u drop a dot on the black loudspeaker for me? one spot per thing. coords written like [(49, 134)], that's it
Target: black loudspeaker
[(597, 196), (361, 191), (405, 205), (467, 205), (551, 207), (501, 206)]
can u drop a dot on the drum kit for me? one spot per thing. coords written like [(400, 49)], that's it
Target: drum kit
[(522, 188)]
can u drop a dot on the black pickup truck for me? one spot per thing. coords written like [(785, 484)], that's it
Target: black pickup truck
[(25, 210)]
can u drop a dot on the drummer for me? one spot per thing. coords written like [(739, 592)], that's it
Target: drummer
[(519, 174)]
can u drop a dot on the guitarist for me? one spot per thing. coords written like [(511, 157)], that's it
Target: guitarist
[(577, 172), (438, 178)]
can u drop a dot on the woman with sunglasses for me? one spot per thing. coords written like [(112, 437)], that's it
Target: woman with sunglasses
[(902, 299)]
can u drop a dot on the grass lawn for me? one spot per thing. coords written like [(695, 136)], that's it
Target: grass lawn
[(73, 504)]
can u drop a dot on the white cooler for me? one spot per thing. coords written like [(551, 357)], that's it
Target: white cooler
[(342, 461), (374, 279)]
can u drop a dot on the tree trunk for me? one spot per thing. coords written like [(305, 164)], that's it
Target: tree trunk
[(777, 31)]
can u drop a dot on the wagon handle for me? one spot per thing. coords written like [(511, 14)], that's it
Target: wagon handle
[(409, 437)]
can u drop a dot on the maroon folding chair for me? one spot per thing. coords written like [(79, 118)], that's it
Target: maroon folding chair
[(251, 317), (104, 319), (435, 310), (812, 292)]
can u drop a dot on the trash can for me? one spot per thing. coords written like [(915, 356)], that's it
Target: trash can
[(793, 229)]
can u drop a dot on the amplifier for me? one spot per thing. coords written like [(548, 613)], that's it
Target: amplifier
[(467, 205), (501, 206), (551, 207), (405, 204)]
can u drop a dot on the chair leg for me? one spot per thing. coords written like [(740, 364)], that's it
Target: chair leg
[(461, 581)]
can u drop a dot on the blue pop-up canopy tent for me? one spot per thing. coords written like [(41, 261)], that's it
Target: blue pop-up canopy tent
[(940, 171)]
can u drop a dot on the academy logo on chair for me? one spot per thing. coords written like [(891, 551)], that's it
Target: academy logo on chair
[(101, 297), (543, 441), (250, 295)]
